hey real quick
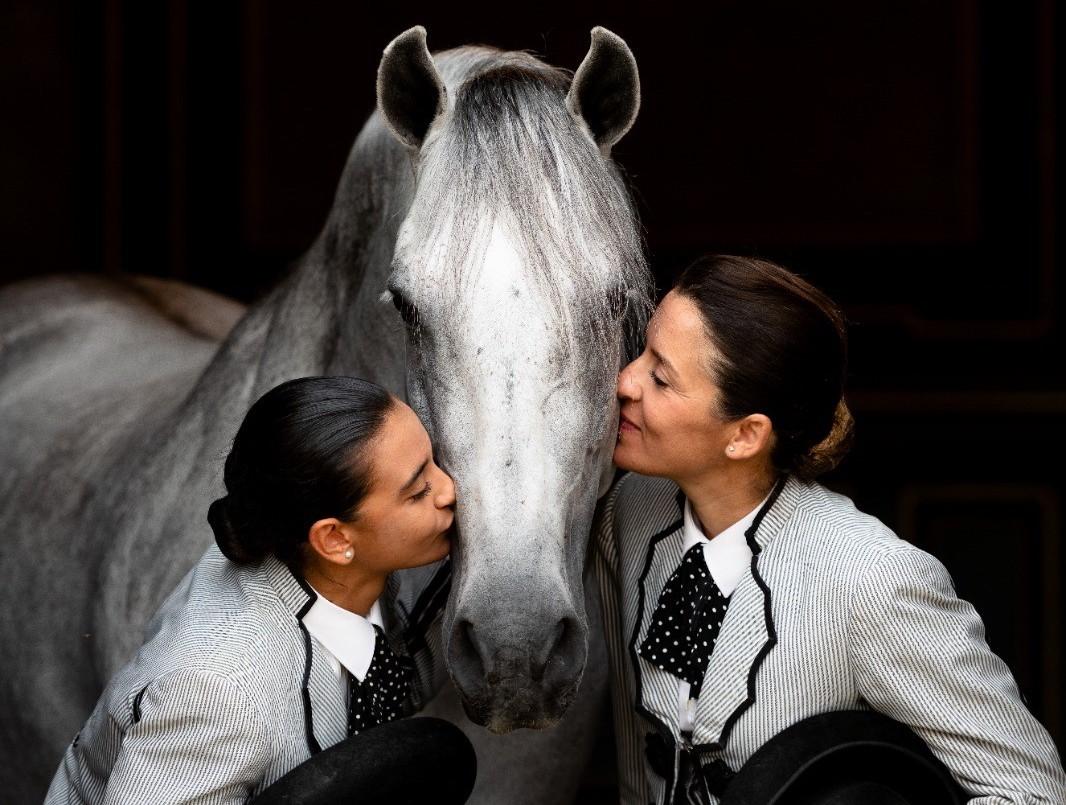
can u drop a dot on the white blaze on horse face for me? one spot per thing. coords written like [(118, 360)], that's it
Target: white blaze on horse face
[(511, 415)]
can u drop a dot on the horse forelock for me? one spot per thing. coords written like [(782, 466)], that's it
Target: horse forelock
[(511, 155)]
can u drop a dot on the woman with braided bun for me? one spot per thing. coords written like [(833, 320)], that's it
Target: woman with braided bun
[(741, 597), (277, 668)]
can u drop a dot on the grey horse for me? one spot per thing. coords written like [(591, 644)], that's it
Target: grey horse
[(483, 260)]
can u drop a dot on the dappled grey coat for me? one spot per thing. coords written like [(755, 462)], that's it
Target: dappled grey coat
[(230, 692), (835, 613)]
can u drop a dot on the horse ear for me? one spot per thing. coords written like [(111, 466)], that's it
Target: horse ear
[(605, 93), (411, 94)]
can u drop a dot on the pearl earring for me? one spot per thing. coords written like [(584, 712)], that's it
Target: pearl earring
[(731, 449), (348, 554)]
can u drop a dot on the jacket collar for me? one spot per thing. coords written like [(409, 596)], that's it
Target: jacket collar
[(291, 590), (746, 638), (407, 609), (408, 603), (777, 511)]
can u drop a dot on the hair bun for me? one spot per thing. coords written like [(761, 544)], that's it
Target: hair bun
[(829, 452), (228, 537)]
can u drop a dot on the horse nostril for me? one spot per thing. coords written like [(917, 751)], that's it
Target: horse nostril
[(467, 651), (554, 653)]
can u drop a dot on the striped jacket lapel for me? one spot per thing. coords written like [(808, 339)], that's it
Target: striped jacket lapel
[(748, 634), (329, 711), (325, 717), (657, 690)]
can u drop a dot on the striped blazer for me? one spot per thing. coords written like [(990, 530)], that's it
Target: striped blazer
[(230, 692), (835, 613)]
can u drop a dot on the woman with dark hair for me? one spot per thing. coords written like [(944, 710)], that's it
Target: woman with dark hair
[(741, 597), (286, 637)]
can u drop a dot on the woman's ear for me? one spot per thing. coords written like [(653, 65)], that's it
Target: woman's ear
[(752, 436), (329, 539)]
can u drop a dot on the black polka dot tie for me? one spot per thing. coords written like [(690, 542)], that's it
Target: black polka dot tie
[(380, 696), (686, 621)]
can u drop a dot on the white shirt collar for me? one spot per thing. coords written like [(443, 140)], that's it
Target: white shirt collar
[(347, 637), (727, 555)]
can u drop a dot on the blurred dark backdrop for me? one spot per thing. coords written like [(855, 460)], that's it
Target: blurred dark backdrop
[(901, 154)]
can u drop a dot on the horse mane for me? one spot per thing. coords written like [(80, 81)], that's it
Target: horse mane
[(512, 153)]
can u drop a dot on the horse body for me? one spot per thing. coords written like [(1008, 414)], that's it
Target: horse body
[(89, 370), (118, 401)]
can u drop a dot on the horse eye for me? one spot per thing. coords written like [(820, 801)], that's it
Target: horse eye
[(408, 312)]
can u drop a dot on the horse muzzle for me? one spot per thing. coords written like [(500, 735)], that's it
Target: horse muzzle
[(517, 666)]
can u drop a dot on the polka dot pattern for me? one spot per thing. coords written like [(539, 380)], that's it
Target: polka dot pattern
[(686, 622), (380, 696)]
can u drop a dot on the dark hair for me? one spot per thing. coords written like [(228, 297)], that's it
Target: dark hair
[(782, 351), (298, 456)]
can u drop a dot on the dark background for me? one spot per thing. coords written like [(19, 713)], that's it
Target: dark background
[(901, 154)]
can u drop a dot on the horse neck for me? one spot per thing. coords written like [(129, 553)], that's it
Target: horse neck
[(325, 317), (302, 327)]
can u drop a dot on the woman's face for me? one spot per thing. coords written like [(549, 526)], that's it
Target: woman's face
[(405, 518), (668, 425)]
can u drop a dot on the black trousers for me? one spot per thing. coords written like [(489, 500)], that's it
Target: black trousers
[(413, 760)]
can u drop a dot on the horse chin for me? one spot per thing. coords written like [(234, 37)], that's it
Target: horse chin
[(502, 726), (510, 705)]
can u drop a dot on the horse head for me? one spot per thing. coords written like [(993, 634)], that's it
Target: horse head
[(520, 277)]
